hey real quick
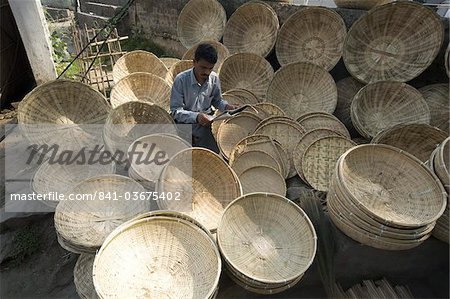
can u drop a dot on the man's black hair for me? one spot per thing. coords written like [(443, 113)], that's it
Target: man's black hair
[(206, 52)]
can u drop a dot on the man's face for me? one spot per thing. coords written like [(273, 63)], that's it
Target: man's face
[(202, 68)]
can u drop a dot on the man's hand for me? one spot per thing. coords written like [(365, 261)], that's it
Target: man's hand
[(231, 107), (203, 119)]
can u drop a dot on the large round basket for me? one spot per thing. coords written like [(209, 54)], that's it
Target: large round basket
[(322, 120), (381, 105), (138, 61), (402, 193), (437, 98), (269, 109), (247, 71), (96, 207), (393, 42), (172, 257), (267, 238), (203, 182), (420, 140), (222, 53), (302, 87), (63, 112), (358, 4), (82, 276), (313, 34), (252, 28), (141, 87), (201, 20), (253, 158), (132, 120), (262, 179)]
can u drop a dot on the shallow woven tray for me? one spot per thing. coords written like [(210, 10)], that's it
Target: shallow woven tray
[(245, 95), (177, 68), (320, 158), (88, 222), (222, 53), (201, 20), (262, 179), (82, 276), (232, 130), (442, 164), (269, 109), (247, 71), (246, 33), (324, 121), (252, 158), (132, 120), (358, 4), (266, 144), (272, 221), (141, 87), (394, 42), (205, 182), (437, 98), (170, 145), (62, 178), (403, 193), (420, 140), (381, 105), (287, 135), (274, 119), (304, 142), (312, 34), (302, 87), (347, 88), (57, 105), (138, 61), (172, 256), (169, 61)]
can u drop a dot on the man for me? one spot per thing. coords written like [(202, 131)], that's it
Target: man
[(193, 93)]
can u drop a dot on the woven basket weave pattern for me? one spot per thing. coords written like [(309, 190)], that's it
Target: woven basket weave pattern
[(138, 61)]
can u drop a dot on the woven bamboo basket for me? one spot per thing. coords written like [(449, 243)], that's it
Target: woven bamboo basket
[(245, 95), (304, 142), (381, 105), (138, 61), (201, 20), (347, 88), (169, 61), (420, 140), (274, 119), (308, 114), (205, 182), (393, 42), (222, 53), (62, 106), (252, 28), (86, 223), (269, 109), (447, 60), (302, 87), (358, 4), (82, 276), (441, 230), (180, 66), (132, 120), (232, 130), (388, 197), (247, 71), (313, 34), (143, 87), (274, 222), (287, 134), (437, 98), (262, 179), (173, 257), (323, 121), (263, 143), (320, 158), (441, 163), (151, 147), (62, 178), (253, 158)]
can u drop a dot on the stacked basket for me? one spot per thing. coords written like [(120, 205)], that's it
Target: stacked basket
[(385, 198)]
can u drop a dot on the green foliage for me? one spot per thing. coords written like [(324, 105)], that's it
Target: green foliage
[(138, 41)]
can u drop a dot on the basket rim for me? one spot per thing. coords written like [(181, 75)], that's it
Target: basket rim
[(413, 159), (264, 153), (133, 53), (387, 6), (178, 221), (273, 170), (285, 201)]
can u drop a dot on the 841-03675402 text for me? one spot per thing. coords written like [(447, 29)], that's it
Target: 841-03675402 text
[(98, 195)]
